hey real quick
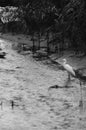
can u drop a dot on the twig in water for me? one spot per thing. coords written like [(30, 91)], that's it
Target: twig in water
[(81, 100), (12, 104), (1, 104), (55, 87)]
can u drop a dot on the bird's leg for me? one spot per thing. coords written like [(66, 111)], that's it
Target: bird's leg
[(80, 83), (69, 77), (68, 80)]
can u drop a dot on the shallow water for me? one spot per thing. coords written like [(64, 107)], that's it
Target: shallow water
[(26, 82)]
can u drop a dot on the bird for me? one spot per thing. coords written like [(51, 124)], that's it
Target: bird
[(68, 68), (77, 74)]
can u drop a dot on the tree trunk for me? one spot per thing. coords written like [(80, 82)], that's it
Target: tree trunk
[(39, 40), (33, 47), (48, 49)]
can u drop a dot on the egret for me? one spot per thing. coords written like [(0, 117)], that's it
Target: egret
[(68, 68), (77, 74)]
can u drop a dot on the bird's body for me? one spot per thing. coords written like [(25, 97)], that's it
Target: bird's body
[(68, 68)]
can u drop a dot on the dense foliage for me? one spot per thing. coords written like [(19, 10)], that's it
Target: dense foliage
[(65, 20)]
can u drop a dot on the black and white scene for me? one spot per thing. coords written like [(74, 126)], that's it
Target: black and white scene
[(42, 65)]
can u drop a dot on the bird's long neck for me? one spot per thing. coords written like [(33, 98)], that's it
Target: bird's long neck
[(64, 63)]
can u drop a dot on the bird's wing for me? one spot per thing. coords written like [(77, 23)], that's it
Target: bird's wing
[(69, 69)]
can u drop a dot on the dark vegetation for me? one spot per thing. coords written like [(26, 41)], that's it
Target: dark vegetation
[(61, 24)]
